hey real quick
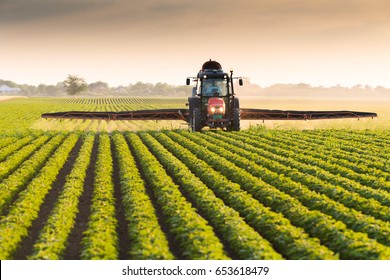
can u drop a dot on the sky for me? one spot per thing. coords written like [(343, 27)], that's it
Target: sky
[(319, 42)]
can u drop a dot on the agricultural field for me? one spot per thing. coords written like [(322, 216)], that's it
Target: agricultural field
[(79, 189), (21, 114)]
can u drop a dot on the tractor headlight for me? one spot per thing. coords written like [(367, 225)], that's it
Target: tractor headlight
[(216, 110)]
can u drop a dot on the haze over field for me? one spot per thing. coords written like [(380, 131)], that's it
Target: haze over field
[(325, 42)]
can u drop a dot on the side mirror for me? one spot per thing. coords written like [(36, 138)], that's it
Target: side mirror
[(188, 81), (240, 82)]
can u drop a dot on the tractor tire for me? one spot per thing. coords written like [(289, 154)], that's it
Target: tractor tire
[(196, 125), (236, 119), (236, 103)]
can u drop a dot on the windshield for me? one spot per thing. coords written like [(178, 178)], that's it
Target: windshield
[(214, 87)]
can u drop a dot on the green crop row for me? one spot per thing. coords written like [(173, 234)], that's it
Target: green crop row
[(53, 238), (334, 234), (297, 187), (6, 140), (376, 140), (25, 115), (20, 177), (8, 150), (336, 191), (256, 194), (371, 168), (353, 145), (14, 226), (241, 238), (341, 148), (18, 157), (146, 236), (290, 241), (191, 232), (339, 172), (100, 240), (16, 116)]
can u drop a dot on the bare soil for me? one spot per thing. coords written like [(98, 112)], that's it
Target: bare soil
[(73, 249), (5, 97), (51, 198)]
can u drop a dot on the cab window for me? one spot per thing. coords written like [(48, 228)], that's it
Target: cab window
[(214, 87)]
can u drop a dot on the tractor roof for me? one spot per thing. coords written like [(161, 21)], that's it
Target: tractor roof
[(211, 65)]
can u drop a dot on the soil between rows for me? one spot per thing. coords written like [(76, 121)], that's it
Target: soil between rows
[(27, 244), (73, 249)]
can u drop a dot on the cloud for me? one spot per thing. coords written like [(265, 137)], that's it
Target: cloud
[(258, 23), (137, 36), (249, 14), (15, 11)]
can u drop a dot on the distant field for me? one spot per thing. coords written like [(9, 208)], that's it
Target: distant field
[(380, 106), (4, 98), (82, 189), (22, 114)]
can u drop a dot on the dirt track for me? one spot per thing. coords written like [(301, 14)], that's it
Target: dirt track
[(6, 97)]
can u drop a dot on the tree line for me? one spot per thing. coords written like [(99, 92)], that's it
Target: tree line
[(75, 85)]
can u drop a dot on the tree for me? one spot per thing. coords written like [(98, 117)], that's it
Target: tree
[(41, 89), (74, 84), (99, 86)]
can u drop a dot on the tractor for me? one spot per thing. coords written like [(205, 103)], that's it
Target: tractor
[(213, 102)]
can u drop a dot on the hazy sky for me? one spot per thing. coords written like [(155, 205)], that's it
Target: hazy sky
[(321, 42)]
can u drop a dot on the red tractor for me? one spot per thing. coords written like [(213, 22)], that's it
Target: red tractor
[(213, 103)]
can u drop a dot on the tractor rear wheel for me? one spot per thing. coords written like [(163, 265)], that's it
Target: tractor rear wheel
[(236, 119), (197, 120)]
